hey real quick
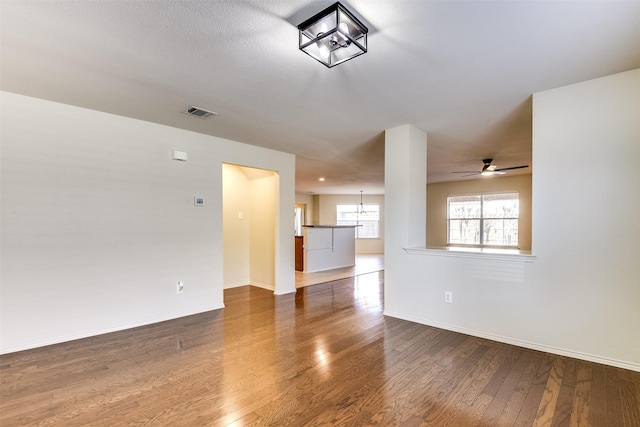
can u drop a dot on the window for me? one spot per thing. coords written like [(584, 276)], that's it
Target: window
[(368, 219), (483, 219)]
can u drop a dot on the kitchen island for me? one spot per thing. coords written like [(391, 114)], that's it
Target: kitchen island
[(328, 246)]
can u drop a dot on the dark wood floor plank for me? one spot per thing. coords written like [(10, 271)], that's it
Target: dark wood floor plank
[(629, 398), (564, 403), (325, 356), (497, 409), (614, 401), (548, 377), (581, 404), (517, 399), (504, 362), (469, 402), (598, 398), (457, 383)]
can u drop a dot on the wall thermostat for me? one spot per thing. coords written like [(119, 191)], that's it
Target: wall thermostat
[(198, 201)]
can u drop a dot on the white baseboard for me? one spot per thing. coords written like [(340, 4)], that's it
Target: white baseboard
[(67, 338), (520, 343), (262, 285), (235, 285)]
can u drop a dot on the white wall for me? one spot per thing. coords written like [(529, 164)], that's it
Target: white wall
[(306, 199), (98, 223), (327, 212), (263, 195), (236, 231), (586, 210), (578, 295)]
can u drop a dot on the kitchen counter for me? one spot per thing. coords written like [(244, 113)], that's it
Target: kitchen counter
[(328, 246)]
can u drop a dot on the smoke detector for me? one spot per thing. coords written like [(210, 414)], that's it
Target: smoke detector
[(199, 112)]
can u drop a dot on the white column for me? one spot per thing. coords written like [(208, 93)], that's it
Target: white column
[(405, 175)]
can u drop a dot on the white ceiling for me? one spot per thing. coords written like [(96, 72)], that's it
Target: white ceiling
[(462, 71)]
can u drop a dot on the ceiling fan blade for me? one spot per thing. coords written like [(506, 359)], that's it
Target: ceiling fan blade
[(511, 168), (466, 172)]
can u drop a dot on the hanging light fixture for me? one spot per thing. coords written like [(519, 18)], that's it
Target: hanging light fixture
[(362, 212), (333, 36)]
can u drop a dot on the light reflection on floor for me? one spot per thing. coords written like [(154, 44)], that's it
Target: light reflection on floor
[(365, 263), (367, 292)]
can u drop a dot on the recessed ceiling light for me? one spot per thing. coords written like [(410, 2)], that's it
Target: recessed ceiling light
[(321, 179)]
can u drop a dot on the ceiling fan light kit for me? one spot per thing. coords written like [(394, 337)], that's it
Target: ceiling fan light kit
[(333, 36), (488, 169)]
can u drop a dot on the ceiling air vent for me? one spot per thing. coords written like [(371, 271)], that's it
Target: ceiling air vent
[(199, 112)]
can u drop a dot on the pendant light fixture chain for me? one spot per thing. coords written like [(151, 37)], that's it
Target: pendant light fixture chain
[(362, 212)]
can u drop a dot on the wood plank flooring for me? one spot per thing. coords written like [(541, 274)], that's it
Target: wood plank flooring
[(365, 263), (322, 357)]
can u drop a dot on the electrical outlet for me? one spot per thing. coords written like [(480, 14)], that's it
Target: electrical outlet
[(180, 288), (448, 297)]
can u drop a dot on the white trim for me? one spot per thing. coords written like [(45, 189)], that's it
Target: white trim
[(270, 288), (519, 343), (285, 292), (261, 285), (478, 253), (235, 285)]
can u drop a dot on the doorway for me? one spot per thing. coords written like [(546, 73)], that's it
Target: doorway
[(249, 210)]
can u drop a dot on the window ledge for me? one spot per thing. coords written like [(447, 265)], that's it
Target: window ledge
[(478, 253)]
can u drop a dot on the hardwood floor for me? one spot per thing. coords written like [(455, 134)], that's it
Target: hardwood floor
[(365, 263), (322, 357)]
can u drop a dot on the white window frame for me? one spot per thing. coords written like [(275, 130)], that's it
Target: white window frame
[(370, 216), (482, 218)]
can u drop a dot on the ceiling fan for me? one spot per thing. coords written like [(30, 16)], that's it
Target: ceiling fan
[(488, 169)]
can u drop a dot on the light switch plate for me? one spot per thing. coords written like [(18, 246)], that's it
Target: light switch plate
[(179, 155)]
